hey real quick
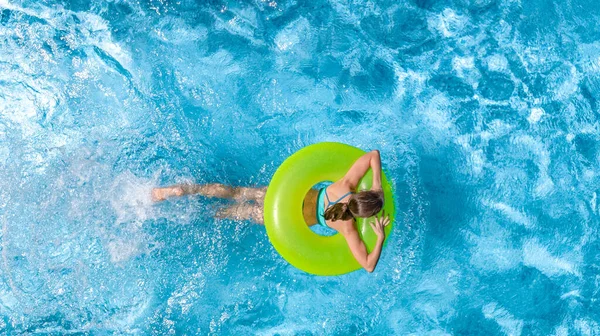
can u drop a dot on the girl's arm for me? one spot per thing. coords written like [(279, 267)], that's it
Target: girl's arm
[(367, 260), (361, 166)]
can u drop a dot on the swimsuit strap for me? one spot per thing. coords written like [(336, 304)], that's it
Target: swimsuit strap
[(330, 203)]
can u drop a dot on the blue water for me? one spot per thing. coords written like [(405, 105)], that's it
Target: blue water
[(486, 113)]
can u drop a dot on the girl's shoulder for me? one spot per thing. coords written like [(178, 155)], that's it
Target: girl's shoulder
[(340, 187), (342, 226)]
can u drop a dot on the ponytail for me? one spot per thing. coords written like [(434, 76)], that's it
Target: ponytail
[(339, 211), (364, 204)]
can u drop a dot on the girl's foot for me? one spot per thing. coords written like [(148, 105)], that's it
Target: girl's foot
[(161, 194)]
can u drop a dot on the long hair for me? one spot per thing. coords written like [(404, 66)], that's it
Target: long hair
[(364, 204)]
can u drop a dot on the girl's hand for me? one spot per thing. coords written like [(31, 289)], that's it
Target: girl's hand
[(379, 224)]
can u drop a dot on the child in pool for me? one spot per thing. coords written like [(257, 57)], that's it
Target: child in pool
[(317, 208)]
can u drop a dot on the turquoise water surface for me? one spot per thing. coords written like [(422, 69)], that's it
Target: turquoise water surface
[(486, 113)]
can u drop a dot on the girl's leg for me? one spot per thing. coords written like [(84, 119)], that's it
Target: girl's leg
[(240, 194), (243, 211)]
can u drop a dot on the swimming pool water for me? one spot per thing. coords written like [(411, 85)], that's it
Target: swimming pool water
[(485, 112)]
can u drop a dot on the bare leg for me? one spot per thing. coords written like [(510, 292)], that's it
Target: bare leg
[(244, 211), (240, 194), (161, 194)]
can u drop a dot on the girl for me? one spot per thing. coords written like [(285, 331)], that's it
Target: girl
[(318, 207)]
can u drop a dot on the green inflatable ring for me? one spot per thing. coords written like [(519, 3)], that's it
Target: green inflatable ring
[(286, 228)]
